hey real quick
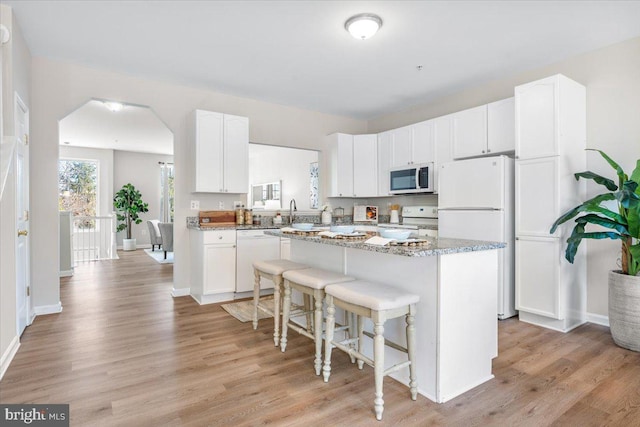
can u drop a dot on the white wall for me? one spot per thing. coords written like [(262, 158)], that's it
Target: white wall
[(58, 88), (16, 76), (612, 78), (141, 170), (271, 164)]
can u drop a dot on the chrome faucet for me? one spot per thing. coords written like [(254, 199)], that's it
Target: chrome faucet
[(292, 208)]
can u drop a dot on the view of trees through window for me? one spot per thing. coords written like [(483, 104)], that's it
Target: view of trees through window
[(77, 189), (166, 192)]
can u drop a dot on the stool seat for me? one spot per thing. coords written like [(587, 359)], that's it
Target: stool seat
[(277, 266), (315, 278), (374, 296)]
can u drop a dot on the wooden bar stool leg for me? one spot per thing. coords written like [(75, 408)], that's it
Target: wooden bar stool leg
[(307, 309), (286, 308), (331, 323), (378, 364), (317, 328), (256, 297), (360, 339), (276, 309), (411, 351)]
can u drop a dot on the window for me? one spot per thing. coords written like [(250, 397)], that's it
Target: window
[(166, 192), (78, 189)]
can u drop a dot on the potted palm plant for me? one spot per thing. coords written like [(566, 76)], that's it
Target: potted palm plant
[(128, 205), (623, 225)]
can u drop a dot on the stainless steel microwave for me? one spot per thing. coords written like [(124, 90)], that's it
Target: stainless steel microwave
[(411, 179)]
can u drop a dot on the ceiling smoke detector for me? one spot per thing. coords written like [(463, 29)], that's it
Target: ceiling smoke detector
[(363, 25)]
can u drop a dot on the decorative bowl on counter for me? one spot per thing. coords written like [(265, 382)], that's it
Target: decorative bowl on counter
[(395, 234), (304, 226), (346, 229)]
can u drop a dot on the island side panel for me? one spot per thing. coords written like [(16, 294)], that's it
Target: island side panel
[(418, 275), (468, 326)]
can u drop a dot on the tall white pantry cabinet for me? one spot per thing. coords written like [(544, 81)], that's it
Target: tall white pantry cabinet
[(550, 148)]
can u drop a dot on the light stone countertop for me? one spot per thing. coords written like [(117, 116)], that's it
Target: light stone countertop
[(436, 247)]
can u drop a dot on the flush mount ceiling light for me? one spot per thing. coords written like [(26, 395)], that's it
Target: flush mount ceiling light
[(113, 106), (363, 25)]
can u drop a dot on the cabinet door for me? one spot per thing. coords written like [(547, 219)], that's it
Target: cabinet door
[(536, 196), (345, 165), (365, 166), (470, 132), (384, 162), (219, 273), (285, 248), (236, 154), (537, 276), (443, 137), (423, 143), (536, 119), (501, 126), (401, 146), (208, 152)]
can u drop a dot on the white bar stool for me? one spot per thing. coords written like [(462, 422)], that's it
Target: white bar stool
[(272, 270), (312, 282), (379, 303)]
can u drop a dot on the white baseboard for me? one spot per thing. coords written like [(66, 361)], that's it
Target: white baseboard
[(41, 310), (8, 355), (66, 273), (180, 292), (598, 319)]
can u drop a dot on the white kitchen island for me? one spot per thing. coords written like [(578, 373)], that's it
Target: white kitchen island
[(456, 323)]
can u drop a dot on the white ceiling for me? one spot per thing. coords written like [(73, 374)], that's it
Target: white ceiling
[(297, 52), (134, 128)]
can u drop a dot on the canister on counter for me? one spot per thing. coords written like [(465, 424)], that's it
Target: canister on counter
[(248, 218), (240, 216)]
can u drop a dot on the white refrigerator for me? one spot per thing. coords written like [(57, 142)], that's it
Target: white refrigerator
[(476, 201)]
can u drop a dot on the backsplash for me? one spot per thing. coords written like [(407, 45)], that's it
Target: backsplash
[(267, 220)]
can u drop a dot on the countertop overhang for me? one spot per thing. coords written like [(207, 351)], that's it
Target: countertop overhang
[(439, 246)]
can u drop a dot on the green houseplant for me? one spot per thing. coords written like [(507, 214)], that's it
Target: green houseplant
[(623, 225), (128, 205)]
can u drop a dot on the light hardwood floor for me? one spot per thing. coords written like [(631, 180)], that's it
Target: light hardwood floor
[(125, 353)]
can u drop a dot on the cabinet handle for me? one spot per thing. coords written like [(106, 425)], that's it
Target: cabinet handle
[(355, 195), (219, 237), (483, 151), (488, 151), (517, 238)]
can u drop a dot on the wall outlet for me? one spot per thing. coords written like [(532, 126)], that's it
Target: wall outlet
[(195, 204), (220, 205), (237, 204)]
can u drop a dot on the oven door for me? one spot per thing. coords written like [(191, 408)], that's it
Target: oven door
[(403, 180)]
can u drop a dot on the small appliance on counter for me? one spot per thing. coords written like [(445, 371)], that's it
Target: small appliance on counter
[(365, 214)]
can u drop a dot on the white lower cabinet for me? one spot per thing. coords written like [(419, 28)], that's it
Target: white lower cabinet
[(285, 248), (213, 268)]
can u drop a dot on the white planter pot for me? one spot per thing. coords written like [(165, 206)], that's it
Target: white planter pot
[(624, 310), (129, 244)]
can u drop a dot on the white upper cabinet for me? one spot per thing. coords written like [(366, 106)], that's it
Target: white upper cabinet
[(442, 138), (365, 165), (501, 126), (352, 163), (401, 146), (236, 154), (485, 130), (220, 152), (412, 144), (537, 136), (470, 132), (384, 162), (339, 159)]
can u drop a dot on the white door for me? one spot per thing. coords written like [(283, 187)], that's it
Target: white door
[(23, 299), (501, 126), (365, 166), (384, 162), (537, 199), (208, 152), (219, 269), (536, 119), (236, 154), (345, 165), (470, 132), (423, 144), (401, 146)]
